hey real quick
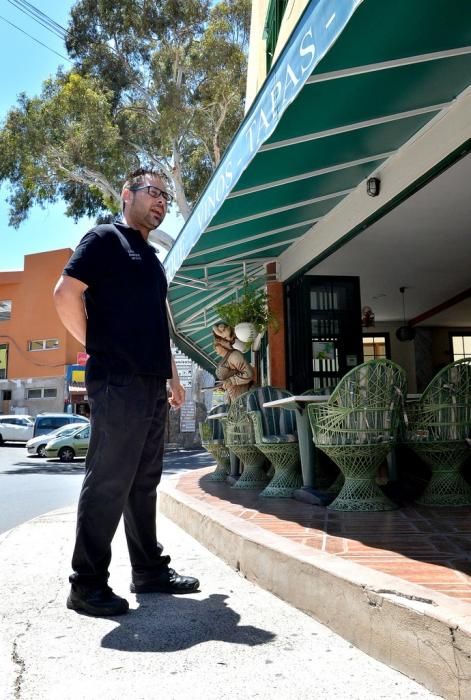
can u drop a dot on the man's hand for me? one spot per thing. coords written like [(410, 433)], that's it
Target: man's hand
[(177, 393), (177, 390)]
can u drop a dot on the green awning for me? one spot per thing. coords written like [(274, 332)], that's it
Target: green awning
[(391, 68)]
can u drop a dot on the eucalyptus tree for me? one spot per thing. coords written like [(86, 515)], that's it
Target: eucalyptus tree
[(157, 83)]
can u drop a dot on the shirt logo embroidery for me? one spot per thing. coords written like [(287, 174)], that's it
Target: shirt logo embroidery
[(134, 256)]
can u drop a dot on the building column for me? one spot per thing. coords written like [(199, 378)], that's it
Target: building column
[(276, 338)]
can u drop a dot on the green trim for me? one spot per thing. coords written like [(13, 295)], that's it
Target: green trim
[(192, 352), (271, 30)]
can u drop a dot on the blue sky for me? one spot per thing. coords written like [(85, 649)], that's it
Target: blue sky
[(25, 65)]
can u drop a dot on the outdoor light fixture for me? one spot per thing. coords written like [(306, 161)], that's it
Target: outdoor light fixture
[(405, 332), (372, 186)]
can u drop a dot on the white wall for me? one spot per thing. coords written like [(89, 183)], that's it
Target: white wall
[(403, 353)]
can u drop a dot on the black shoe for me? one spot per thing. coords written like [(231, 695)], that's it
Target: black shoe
[(167, 581), (99, 602)]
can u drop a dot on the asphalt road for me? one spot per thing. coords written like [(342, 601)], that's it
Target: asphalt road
[(31, 486)]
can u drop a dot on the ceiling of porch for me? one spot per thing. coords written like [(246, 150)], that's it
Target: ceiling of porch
[(424, 244)]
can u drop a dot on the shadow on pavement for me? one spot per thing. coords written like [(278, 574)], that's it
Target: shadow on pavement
[(49, 468), (175, 460), (162, 623)]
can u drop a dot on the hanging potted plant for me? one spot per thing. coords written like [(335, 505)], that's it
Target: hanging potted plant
[(248, 315)]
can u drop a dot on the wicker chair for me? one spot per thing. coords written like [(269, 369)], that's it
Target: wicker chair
[(438, 426), (240, 439), (212, 439), (276, 438), (357, 428), (329, 486)]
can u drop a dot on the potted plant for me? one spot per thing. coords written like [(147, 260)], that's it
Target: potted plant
[(249, 315)]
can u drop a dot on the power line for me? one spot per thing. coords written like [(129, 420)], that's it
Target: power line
[(37, 11), (39, 20), (39, 17), (34, 39), (48, 23), (51, 25)]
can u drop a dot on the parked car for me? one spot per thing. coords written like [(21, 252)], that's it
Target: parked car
[(16, 428), (69, 446), (47, 422), (36, 445)]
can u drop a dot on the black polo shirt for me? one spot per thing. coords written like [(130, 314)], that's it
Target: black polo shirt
[(127, 329)]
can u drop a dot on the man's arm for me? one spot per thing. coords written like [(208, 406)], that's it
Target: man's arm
[(70, 307), (177, 391)]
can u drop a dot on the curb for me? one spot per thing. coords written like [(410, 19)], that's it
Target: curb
[(423, 634)]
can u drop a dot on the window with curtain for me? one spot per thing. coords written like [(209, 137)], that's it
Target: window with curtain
[(460, 345), (46, 344), (375, 346), (5, 309), (3, 361)]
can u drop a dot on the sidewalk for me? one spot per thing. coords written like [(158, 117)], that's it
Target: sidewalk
[(232, 640), (395, 584)]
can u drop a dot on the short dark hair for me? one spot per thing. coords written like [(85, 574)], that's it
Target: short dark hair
[(137, 177)]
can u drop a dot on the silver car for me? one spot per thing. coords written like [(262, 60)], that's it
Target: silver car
[(36, 446)]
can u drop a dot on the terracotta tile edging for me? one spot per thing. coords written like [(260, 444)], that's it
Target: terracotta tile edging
[(418, 631)]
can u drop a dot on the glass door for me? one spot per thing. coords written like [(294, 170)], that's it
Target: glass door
[(325, 334)]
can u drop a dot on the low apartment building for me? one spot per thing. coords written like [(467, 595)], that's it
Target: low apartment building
[(35, 348)]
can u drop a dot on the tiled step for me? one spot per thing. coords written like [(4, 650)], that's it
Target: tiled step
[(328, 566)]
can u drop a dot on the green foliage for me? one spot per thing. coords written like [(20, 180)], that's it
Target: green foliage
[(250, 307), (156, 83), (60, 145)]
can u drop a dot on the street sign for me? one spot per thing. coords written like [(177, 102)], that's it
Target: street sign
[(188, 417), (82, 358)]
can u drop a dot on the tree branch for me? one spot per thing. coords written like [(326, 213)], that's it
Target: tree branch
[(85, 176)]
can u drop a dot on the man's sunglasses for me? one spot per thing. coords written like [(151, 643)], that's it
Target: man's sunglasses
[(154, 192)]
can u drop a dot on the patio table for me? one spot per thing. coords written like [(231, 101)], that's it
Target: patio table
[(217, 416), (307, 450)]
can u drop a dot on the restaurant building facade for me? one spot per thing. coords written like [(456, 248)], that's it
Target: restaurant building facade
[(344, 192)]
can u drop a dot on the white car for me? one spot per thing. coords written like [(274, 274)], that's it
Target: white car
[(16, 428), (36, 446)]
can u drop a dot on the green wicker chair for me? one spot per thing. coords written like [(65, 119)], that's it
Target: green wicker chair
[(357, 428), (240, 439), (276, 438), (330, 486), (438, 425), (212, 439)]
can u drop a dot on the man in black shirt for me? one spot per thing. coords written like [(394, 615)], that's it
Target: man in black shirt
[(111, 297)]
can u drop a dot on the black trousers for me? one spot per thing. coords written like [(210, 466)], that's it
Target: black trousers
[(122, 471)]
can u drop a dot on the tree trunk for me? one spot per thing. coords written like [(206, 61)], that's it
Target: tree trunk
[(180, 196)]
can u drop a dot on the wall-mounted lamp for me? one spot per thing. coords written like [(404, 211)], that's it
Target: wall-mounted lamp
[(372, 186)]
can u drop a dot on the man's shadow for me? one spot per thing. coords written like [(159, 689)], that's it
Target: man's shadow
[(165, 623)]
